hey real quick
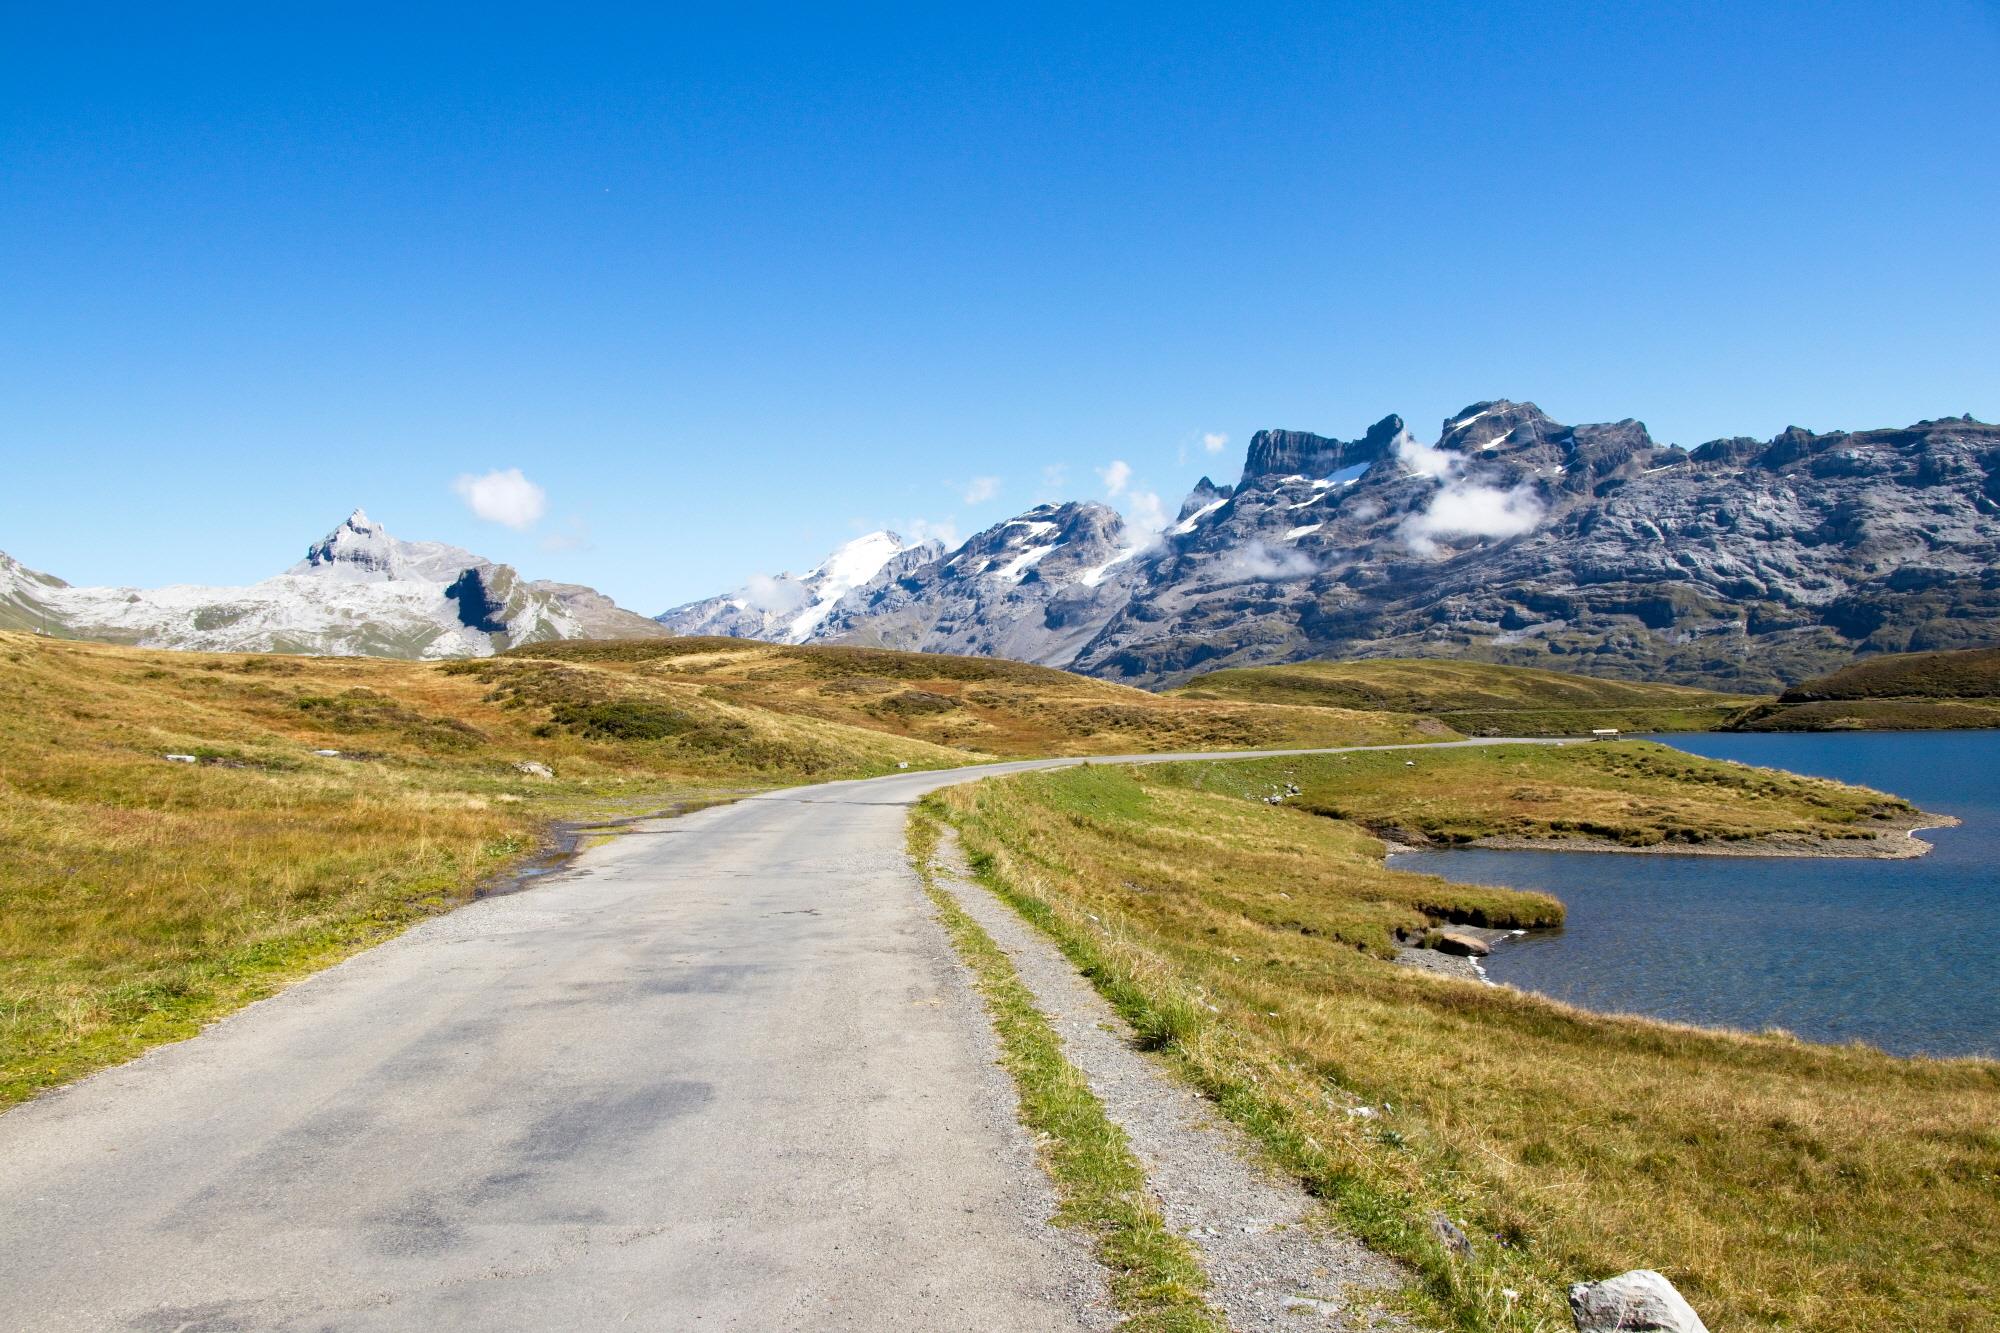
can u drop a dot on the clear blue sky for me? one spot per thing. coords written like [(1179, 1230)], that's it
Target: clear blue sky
[(731, 287)]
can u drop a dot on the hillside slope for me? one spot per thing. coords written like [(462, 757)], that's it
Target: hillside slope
[(1477, 698), (1895, 691), (325, 802)]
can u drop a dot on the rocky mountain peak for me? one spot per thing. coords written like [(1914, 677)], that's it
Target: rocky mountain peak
[(1498, 426), (1276, 454), (362, 550), (1204, 495)]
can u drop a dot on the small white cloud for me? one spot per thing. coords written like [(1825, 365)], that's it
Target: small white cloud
[(1215, 442), (1115, 477), (779, 595), (1145, 512), (1427, 460), (920, 530), (1253, 561), (505, 497), (981, 489), (1470, 509)]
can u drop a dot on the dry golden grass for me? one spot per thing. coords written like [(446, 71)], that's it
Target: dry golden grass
[(139, 898), (1782, 1185), (1633, 793), (1477, 698), (984, 704)]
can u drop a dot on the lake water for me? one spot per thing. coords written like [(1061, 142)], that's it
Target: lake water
[(1904, 955)]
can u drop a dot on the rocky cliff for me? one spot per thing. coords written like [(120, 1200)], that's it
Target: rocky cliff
[(1512, 538)]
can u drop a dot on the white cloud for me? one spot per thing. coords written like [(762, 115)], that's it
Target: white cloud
[(1115, 477), (1145, 512), (1462, 507), (1427, 460), (779, 595), (1470, 509), (924, 530), (981, 489), (504, 497), (1215, 442), (1253, 561)]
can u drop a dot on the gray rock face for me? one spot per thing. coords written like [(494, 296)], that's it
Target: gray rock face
[(26, 597), (1514, 538), (788, 608), (1640, 1301), (1037, 588)]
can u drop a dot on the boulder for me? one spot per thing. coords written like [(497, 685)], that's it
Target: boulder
[(1640, 1301), (1463, 944), (1451, 1236), (533, 769)]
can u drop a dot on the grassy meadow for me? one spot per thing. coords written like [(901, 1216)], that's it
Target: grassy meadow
[(1476, 698), (1634, 794), (1782, 1185), (140, 898)]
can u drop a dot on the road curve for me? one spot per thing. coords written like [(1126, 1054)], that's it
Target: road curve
[(722, 1072)]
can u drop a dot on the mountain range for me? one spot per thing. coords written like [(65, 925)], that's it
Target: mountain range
[(1740, 563), (358, 591)]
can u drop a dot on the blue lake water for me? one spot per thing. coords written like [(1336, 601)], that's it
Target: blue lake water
[(1904, 955)]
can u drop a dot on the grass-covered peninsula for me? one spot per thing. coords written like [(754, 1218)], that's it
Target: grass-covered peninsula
[(1782, 1185)]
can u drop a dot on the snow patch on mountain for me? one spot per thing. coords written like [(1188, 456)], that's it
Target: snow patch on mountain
[(788, 608)]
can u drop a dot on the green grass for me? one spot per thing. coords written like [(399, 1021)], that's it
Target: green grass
[(1892, 692), (1631, 793), (1780, 1185), (1476, 698), (1871, 715), (1971, 673), (1156, 1279)]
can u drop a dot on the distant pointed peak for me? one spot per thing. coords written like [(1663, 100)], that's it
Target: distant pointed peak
[(360, 522)]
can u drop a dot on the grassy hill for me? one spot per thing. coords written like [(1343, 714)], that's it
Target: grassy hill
[(1476, 698), (140, 896), (1895, 691)]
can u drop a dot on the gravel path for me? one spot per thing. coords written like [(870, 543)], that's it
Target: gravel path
[(1270, 1264)]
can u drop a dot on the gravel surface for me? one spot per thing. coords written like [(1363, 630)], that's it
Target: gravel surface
[(1272, 1261)]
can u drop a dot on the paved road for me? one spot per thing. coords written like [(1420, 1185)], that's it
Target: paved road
[(723, 1073)]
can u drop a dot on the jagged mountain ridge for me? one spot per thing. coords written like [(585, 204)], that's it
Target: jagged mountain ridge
[(358, 591), (1513, 538), (788, 608)]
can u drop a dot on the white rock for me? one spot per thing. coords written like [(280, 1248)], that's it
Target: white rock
[(1640, 1301), (533, 769), (180, 758)]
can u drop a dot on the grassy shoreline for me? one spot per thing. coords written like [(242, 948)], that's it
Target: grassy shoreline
[(1782, 1185), (1156, 1279)]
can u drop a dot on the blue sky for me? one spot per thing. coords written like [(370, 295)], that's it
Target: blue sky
[(730, 288)]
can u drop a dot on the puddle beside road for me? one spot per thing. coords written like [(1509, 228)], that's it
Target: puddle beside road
[(566, 839)]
